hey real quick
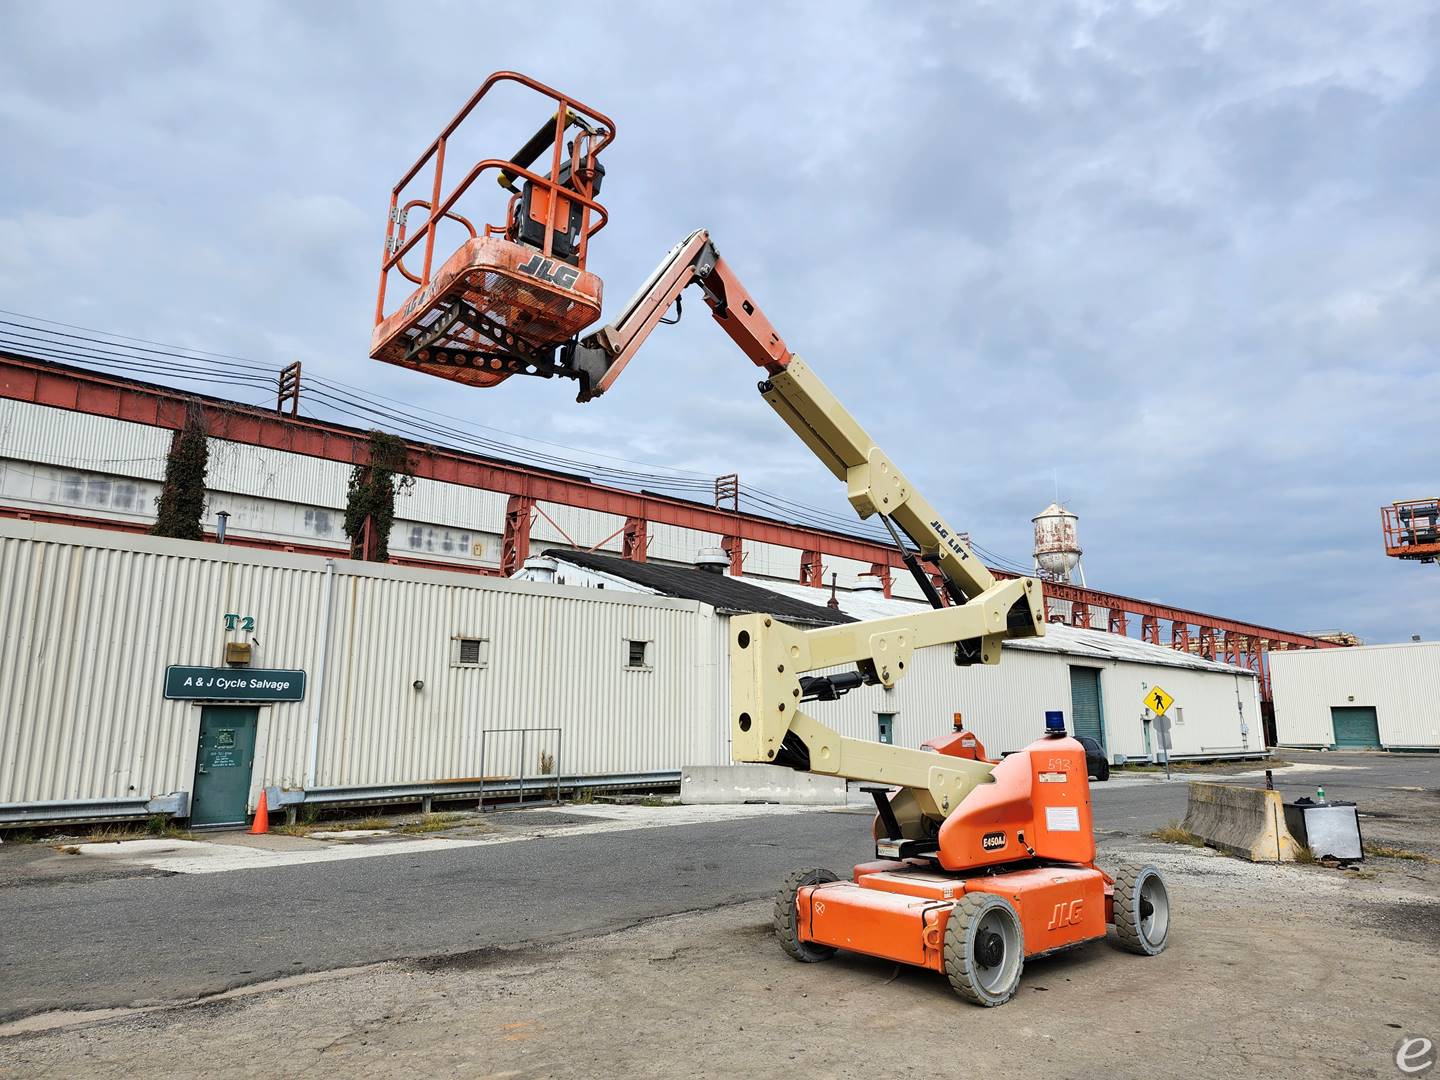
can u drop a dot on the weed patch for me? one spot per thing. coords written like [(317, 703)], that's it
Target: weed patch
[(433, 823), (1383, 851), (1176, 833)]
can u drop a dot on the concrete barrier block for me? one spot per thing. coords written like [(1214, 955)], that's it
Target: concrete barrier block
[(715, 784), (1243, 821)]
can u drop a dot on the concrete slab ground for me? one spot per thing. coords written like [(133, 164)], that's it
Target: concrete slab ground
[(1251, 985), (215, 853), (625, 948)]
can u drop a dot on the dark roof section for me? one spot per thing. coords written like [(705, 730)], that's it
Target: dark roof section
[(720, 591)]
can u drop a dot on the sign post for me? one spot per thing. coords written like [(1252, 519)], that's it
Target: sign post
[(1159, 702), (1162, 725)]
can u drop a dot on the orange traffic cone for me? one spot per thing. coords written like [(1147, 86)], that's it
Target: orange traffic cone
[(261, 824)]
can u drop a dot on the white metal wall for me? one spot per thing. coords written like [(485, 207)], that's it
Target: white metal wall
[(89, 620), (44, 435), (86, 631), (1401, 682)]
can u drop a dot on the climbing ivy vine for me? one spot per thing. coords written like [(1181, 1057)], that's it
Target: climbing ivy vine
[(181, 503), (371, 496)]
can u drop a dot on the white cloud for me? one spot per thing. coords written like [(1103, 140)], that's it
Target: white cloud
[(1182, 254)]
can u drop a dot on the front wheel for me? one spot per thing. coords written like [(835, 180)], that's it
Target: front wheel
[(787, 917), (984, 949), (1142, 910)]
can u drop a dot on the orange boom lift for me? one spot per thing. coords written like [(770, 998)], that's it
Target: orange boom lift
[(979, 865)]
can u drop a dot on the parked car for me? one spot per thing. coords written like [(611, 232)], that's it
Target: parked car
[(1095, 761)]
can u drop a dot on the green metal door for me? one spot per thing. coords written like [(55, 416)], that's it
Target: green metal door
[(887, 727), (1085, 704), (1356, 727), (223, 764)]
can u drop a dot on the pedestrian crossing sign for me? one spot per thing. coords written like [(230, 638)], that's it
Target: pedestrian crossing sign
[(1157, 700)]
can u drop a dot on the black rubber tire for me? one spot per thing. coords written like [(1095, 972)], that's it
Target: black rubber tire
[(1134, 932), (1104, 773), (786, 929), (964, 971)]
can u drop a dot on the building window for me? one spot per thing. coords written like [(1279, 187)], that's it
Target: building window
[(318, 522), (470, 652), (638, 654)]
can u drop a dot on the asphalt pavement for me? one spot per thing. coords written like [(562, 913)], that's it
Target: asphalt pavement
[(147, 938)]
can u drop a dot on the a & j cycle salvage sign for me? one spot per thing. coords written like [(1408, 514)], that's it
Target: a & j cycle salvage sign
[(233, 684)]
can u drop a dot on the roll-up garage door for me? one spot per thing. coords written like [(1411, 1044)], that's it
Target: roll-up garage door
[(1085, 703)]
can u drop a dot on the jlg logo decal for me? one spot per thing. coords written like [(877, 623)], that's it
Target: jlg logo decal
[(950, 542), (993, 841), (1066, 914), (542, 268)]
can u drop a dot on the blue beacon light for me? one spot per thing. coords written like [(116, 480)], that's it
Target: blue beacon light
[(1054, 722)]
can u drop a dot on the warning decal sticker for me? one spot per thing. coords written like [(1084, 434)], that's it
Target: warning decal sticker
[(1062, 818)]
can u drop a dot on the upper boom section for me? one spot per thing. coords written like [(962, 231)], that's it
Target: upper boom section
[(597, 360), (874, 485)]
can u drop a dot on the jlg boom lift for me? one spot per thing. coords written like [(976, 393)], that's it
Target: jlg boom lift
[(979, 865)]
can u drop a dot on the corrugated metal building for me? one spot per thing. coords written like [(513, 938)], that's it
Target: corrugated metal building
[(1364, 697), (422, 681), (413, 674)]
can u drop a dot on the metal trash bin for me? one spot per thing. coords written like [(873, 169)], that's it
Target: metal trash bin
[(1326, 828)]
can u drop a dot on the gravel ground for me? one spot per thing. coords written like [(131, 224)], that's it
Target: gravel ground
[(1281, 971)]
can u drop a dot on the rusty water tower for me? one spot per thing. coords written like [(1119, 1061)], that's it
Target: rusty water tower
[(1057, 545)]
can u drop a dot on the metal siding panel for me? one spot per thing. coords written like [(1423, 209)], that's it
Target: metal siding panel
[(1215, 704), (42, 434), (554, 660), (772, 561), (1401, 682), (670, 543), (50, 486), (576, 526), (263, 473), (850, 571), (442, 543)]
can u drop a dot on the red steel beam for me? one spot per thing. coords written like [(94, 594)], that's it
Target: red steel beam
[(1168, 613), (45, 383)]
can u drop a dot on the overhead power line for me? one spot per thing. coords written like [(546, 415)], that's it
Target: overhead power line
[(85, 346)]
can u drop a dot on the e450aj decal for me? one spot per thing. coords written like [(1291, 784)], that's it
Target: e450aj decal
[(548, 270), (993, 841)]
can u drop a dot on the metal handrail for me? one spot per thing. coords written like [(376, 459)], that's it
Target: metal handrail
[(566, 108)]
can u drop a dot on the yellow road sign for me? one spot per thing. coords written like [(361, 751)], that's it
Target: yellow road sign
[(1157, 700)]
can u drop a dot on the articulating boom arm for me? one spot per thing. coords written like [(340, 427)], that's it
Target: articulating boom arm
[(768, 658)]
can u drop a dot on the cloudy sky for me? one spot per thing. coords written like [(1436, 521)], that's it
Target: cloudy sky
[(1177, 261)]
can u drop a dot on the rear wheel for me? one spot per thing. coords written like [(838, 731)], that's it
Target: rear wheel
[(787, 919), (984, 949), (1142, 910)]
